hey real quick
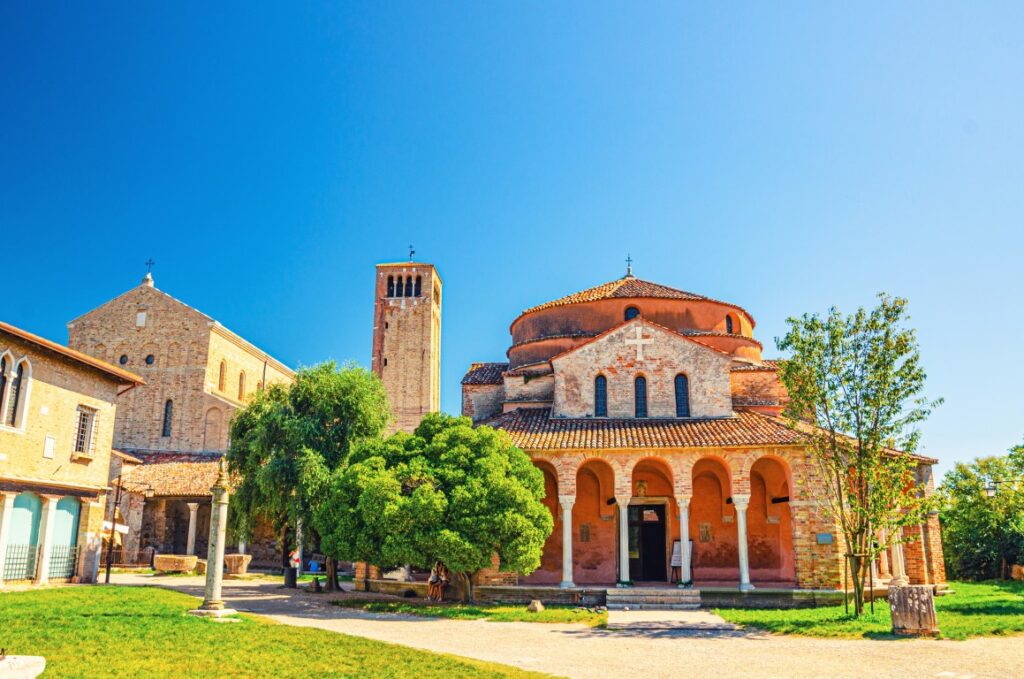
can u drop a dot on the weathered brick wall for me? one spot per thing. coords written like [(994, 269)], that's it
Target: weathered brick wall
[(407, 344), (666, 355), (480, 401), (52, 392)]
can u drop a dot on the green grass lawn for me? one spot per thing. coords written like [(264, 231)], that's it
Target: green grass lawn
[(974, 609), (144, 632), (550, 614)]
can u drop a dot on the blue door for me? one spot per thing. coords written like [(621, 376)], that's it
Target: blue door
[(64, 545), (23, 543)]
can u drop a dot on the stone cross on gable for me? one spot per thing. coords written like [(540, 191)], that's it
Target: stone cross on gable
[(639, 341)]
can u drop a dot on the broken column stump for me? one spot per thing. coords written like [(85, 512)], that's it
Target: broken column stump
[(913, 611)]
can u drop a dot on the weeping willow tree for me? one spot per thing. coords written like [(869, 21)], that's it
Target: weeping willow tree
[(288, 440), (855, 388)]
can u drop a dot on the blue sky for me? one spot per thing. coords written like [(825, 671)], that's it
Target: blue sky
[(782, 156)]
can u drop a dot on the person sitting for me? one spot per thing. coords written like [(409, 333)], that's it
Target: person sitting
[(434, 591)]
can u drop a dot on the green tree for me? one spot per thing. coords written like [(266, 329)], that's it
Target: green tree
[(288, 440), (855, 385), (983, 536), (449, 492)]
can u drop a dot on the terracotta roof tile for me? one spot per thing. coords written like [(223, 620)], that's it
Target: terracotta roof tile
[(173, 478), (767, 365), (627, 287), (485, 373)]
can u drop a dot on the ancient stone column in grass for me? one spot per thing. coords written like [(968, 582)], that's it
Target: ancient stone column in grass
[(567, 502), (213, 605), (685, 571), (193, 511), (623, 502), (741, 502)]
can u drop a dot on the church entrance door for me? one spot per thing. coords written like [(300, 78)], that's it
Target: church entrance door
[(647, 542)]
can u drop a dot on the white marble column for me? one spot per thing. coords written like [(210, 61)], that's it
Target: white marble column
[(623, 503), (241, 547), (567, 502), (6, 510), (899, 566), (46, 538), (685, 570), (90, 544), (193, 510), (741, 502), (883, 559)]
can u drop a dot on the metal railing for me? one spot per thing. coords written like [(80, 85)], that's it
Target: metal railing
[(129, 558), (20, 562), (63, 561)]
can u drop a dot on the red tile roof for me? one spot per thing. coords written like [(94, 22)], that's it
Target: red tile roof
[(535, 429), (191, 478), (485, 373), (119, 375), (627, 287), (768, 365)]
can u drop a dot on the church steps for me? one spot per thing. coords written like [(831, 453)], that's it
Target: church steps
[(652, 598)]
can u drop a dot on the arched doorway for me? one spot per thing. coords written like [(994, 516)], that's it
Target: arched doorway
[(769, 523), (550, 571), (23, 541), (713, 524), (652, 528), (594, 529)]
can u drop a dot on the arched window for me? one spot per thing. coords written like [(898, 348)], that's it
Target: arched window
[(419, 286), (640, 395), (241, 385), (222, 378), (391, 286), (399, 287), (632, 312), (14, 398), (682, 396), (728, 324), (3, 380), (600, 396), (168, 415), (408, 286)]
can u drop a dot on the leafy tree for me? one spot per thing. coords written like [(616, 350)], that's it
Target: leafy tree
[(449, 492), (982, 536), (287, 441), (855, 385)]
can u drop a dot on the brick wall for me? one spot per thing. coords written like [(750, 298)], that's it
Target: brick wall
[(480, 401)]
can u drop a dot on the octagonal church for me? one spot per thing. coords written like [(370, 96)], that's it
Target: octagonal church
[(657, 424)]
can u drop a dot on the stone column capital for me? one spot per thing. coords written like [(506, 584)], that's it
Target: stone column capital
[(683, 501), (741, 500), (47, 498), (193, 507), (567, 501), (623, 500)]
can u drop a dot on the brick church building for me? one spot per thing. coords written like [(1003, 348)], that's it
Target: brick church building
[(656, 422)]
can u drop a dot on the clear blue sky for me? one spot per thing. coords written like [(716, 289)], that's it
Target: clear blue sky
[(785, 157)]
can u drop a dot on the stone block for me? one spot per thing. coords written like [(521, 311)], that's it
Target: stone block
[(201, 567), (237, 564), (913, 611), (535, 606), (1017, 572), (174, 563)]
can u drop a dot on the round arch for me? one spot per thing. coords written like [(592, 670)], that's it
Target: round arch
[(713, 522), (770, 521)]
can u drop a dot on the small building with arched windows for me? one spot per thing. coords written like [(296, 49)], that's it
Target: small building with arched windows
[(657, 424), (57, 414)]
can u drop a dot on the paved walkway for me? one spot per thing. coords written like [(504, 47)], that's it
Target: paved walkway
[(638, 644)]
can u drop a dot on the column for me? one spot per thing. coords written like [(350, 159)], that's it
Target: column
[(623, 502), (567, 501), (241, 547), (685, 575), (193, 509), (741, 501), (46, 538), (90, 542), (899, 566), (6, 510), (883, 559), (213, 604)]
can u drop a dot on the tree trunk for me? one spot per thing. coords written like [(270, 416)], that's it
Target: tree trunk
[(856, 564), (332, 575)]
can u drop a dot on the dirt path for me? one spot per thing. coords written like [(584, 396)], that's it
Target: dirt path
[(643, 647)]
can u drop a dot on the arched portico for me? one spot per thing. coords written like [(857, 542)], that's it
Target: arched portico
[(713, 527), (770, 523)]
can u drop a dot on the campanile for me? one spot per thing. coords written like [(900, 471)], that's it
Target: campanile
[(407, 339)]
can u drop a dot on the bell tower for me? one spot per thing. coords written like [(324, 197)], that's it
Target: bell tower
[(407, 339)]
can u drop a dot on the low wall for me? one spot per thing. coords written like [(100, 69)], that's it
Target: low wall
[(492, 594)]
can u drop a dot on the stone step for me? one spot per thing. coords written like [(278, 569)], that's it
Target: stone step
[(654, 600), (653, 607), (674, 591)]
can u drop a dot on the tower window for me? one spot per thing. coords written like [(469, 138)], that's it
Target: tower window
[(600, 396), (728, 324), (640, 396), (408, 286), (222, 377), (168, 414), (241, 385), (419, 286), (632, 312), (391, 286), (17, 387), (682, 396)]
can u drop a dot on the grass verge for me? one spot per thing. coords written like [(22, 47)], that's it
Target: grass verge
[(92, 631), (975, 609), (550, 614)]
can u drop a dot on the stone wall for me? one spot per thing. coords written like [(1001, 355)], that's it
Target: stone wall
[(665, 355), (480, 401)]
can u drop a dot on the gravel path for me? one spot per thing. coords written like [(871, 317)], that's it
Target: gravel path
[(637, 643)]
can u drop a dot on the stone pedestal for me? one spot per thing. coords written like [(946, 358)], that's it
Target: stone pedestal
[(238, 564), (174, 563), (913, 611)]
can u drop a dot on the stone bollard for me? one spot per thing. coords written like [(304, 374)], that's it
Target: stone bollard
[(913, 611)]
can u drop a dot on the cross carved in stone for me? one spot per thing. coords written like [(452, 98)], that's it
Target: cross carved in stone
[(639, 341)]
